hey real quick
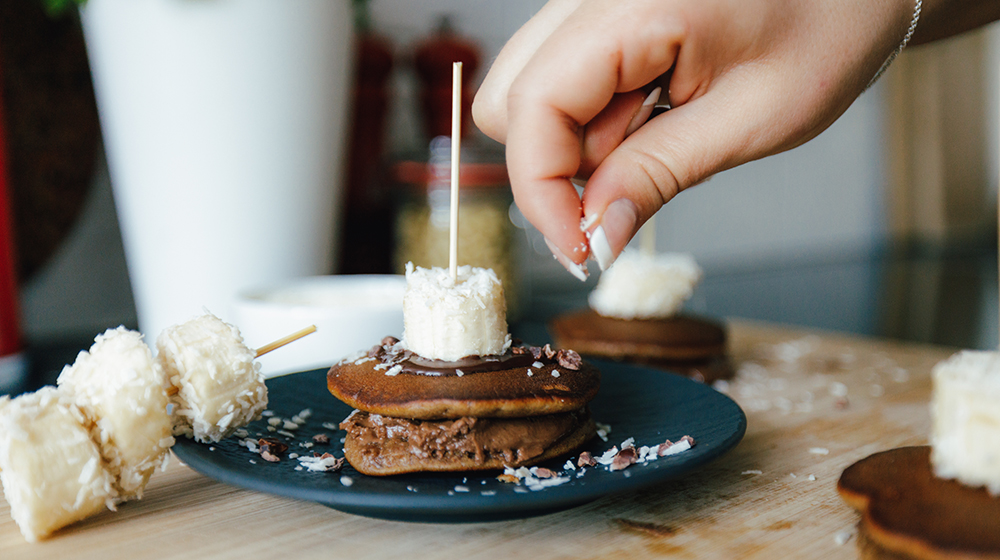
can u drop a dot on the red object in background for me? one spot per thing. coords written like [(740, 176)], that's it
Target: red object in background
[(10, 331), (366, 242), (434, 58), (371, 107)]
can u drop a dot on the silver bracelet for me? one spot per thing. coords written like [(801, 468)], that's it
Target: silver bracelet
[(906, 39)]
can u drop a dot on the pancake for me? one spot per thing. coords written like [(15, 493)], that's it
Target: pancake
[(907, 510), (390, 381), (379, 446), (685, 344)]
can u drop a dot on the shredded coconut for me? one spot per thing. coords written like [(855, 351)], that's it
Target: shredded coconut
[(842, 537)]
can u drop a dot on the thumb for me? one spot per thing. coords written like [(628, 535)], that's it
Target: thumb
[(721, 129)]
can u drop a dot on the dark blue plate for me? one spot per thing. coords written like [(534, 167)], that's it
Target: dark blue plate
[(645, 404)]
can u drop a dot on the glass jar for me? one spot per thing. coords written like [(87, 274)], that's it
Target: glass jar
[(485, 232)]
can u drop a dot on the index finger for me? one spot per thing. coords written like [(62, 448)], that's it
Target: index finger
[(489, 109), (569, 80)]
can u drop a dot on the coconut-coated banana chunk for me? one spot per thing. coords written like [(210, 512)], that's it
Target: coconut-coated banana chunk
[(217, 385), (52, 472), (121, 390), (445, 319), (965, 415), (643, 286)]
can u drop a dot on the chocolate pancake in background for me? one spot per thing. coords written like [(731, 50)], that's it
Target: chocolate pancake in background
[(908, 511), (527, 381), (379, 445), (684, 344)]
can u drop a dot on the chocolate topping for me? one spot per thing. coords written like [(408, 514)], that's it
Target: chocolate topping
[(569, 359), (467, 365), (272, 446), (391, 354)]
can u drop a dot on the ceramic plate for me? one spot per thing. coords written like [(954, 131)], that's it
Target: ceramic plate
[(645, 404)]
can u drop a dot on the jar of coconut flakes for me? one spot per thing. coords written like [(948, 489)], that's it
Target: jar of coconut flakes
[(486, 234)]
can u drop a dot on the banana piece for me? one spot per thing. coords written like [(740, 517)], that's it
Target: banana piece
[(218, 387), (965, 415), (52, 472), (120, 390), (641, 286), (446, 320)]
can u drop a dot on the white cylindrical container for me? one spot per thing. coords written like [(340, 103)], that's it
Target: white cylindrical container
[(224, 125)]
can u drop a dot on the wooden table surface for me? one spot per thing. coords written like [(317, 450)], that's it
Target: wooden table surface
[(815, 403)]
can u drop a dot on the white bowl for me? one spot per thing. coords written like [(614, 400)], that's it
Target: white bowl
[(351, 313)]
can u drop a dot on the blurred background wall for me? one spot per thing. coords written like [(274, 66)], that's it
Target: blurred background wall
[(792, 237)]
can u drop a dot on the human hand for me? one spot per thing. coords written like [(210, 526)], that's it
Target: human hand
[(749, 78)]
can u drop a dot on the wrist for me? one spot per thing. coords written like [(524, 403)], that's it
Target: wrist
[(910, 30)]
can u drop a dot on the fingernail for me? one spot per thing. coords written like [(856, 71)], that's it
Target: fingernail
[(617, 227), (645, 111), (577, 270)]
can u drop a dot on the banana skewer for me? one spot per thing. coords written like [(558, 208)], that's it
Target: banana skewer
[(217, 387), (70, 451), (449, 319)]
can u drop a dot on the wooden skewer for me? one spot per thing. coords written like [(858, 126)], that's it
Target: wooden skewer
[(173, 389), (456, 142), (285, 340)]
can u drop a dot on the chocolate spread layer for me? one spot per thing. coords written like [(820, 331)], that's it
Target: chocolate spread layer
[(391, 353), (530, 381), (415, 365), (384, 439)]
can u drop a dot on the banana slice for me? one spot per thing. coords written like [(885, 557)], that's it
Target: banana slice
[(120, 389), (449, 320), (52, 472), (965, 414), (216, 384), (641, 286)]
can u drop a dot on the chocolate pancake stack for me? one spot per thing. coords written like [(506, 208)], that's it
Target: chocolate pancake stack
[(635, 316), (685, 344), (414, 414)]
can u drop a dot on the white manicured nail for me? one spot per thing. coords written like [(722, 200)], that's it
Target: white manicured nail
[(601, 249), (645, 111), (577, 270), (618, 225)]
